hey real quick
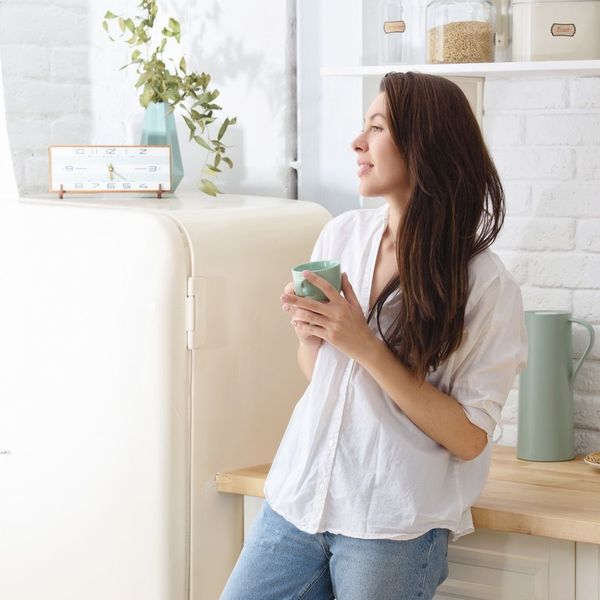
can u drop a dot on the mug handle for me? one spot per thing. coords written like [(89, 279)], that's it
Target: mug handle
[(587, 350)]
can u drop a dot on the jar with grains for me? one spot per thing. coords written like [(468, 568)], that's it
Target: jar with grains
[(460, 31)]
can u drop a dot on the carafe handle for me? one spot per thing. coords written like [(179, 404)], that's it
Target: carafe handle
[(587, 350)]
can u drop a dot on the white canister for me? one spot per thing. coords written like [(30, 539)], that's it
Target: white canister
[(556, 30)]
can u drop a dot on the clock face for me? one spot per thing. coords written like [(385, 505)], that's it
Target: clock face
[(109, 168)]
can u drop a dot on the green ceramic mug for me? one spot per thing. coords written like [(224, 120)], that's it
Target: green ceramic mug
[(545, 425), (327, 269)]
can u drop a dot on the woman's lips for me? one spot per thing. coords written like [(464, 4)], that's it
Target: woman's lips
[(364, 168)]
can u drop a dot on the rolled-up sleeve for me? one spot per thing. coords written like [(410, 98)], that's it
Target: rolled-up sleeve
[(495, 352)]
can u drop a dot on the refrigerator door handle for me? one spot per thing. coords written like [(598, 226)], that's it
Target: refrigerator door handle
[(195, 318)]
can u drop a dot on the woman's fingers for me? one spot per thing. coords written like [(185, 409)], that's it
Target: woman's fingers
[(322, 284), (306, 316), (288, 290)]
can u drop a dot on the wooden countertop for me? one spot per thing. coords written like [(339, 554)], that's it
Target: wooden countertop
[(553, 499)]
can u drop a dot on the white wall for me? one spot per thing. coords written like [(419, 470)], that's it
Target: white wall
[(544, 135), (63, 84)]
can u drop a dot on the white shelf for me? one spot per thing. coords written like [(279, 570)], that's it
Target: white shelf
[(573, 68)]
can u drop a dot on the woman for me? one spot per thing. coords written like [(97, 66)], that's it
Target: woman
[(409, 367)]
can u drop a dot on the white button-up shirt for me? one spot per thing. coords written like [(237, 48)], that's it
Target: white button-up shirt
[(350, 460)]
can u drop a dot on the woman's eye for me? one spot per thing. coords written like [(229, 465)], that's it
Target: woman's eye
[(373, 128)]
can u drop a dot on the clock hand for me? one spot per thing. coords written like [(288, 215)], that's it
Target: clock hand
[(111, 172)]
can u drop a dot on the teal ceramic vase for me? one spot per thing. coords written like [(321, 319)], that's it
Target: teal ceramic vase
[(545, 426), (159, 129)]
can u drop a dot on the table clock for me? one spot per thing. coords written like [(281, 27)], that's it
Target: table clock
[(109, 169)]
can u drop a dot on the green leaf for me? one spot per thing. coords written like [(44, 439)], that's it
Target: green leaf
[(135, 55), (167, 33), (105, 26), (173, 94), (122, 23), (208, 187), (143, 79), (190, 124), (223, 129), (174, 25), (200, 140), (233, 121), (109, 15), (130, 25), (182, 64), (202, 98), (146, 96), (228, 161)]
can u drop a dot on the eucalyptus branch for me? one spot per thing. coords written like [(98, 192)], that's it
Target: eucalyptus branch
[(175, 85)]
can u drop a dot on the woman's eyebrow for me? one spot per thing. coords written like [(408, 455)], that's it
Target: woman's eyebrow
[(375, 115)]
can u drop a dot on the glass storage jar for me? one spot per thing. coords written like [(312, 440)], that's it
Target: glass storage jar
[(460, 31), (391, 32)]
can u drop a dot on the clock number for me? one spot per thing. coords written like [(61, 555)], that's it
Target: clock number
[(110, 186), (79, 150), (95, 185), (152, 168), (111, 150), (126, 186), (68, 167), (79, 186), (143, 151), (144, 186)]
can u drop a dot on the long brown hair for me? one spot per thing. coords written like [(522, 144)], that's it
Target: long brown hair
[(455, 211)]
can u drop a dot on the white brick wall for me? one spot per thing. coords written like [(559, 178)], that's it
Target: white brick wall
[(39, 39), (63, 84), (544, 135)]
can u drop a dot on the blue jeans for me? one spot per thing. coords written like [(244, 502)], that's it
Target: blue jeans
[(281, 562)]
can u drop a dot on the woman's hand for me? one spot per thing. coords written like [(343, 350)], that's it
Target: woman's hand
[(304, 337), (340, 321)]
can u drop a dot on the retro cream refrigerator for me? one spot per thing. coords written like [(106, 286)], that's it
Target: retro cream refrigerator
[(143, 349)]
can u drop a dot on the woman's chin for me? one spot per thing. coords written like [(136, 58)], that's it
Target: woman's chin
[(367, 191)]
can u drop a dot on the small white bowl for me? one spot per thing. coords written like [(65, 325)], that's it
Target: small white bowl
[(593, 459)]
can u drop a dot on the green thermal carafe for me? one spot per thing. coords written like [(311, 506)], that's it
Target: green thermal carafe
[(545, 426)]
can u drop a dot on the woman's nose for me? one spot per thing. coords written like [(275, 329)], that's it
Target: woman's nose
[(358, 143)]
